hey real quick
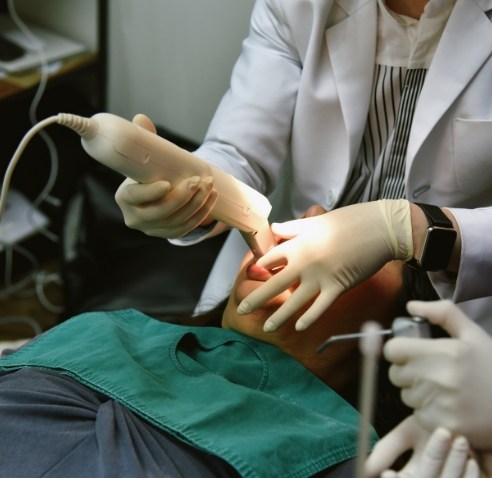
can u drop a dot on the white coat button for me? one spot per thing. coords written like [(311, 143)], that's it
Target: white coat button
[(419, 191), (330, 198)]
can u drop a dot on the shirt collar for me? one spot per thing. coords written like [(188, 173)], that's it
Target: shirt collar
[(407, 42)]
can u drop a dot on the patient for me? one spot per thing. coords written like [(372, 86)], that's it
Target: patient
[(119, 394), (379, 299)]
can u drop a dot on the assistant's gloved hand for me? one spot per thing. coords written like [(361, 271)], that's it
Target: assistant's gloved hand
[(329, 254), (435, 455), (157, 210), (447, 381)]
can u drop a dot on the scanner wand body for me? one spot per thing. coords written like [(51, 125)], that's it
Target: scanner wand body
[(146, 157)]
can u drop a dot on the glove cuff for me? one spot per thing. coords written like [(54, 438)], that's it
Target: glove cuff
[(396, 213)]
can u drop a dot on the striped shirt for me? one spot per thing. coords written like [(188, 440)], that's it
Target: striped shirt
[(405, 50)]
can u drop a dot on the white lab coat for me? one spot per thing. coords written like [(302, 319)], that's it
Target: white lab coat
[(301, 88)]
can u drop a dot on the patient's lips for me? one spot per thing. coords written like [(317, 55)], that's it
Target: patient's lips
[(255, 272), (252, 278)]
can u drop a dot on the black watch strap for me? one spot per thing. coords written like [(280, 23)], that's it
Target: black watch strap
[(439, 241), (435, 216)]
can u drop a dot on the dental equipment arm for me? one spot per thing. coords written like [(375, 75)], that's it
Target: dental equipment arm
[(145, 157)]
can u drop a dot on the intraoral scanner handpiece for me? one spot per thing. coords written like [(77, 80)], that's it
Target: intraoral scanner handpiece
[(146, 157)]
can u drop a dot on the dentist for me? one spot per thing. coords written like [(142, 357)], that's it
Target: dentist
[(380, 112)]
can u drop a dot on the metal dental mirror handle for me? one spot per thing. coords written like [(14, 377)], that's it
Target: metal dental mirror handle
[(416, 327)]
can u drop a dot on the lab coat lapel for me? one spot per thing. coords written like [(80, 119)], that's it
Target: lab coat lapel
[(352, 50), (465, 46)]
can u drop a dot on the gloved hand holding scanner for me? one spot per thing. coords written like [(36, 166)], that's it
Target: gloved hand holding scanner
[(186, 182), (158, 209), (178, 190)]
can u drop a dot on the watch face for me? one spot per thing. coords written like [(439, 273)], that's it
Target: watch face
[(438, 246)]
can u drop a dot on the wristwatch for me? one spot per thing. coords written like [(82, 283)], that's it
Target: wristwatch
[(439, 241)]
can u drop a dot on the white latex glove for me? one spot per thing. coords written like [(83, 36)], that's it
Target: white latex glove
[(328, 254), (157, 210), (435, 455), (447, 381)]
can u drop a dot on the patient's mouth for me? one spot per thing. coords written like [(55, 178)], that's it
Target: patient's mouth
[(255, 272)]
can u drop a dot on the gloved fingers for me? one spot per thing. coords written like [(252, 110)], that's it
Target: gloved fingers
[(409, 373), (188, 196), (188, 204), (472, 470), (419, 395), (444, 457), (144, 122), (457, 459), (391, 474), (275, 257), (176, 213), (390, 447), (290, 229), (445, 314), (131, 193), (271, 288), (430, 417), (400, 350), (181, 223), (296, 301), (184, 204), (317, 308), (399, 377), (435, 454)]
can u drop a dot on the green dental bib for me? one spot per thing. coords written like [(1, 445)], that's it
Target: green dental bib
[(232, 396)]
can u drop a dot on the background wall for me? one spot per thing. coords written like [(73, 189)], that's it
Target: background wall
[(72, 18), (172, 59)]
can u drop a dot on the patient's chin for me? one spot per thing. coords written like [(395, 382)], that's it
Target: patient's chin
[(249, 324)]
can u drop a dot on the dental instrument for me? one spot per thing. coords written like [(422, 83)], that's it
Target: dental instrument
[(417, 327), (146, 157)]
